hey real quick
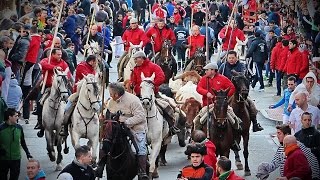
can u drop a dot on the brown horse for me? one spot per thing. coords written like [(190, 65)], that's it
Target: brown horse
[(239, 104), (199, 61), (220, 129), (191, 108), (166, 61)]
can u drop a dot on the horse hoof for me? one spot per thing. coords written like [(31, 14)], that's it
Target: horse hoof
[(239, 165), (40, 134), (155, 174), (66, 150), (163, 164), (247, 173)]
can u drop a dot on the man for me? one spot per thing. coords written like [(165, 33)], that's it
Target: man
[(275, 63), (143, 64), (258, 50), (11, 141), (271, 43), (309, 84), (93, 37), (303, 106), (84, 68), (135, 36), (198, 15), (293, 63), (80, 167), (224, 171), (55, 63), (34, 172), (233, 64), (198, 169), (296, 164), (181, 34), (309, 135), (134, 117), (278, 161), (196, 40)]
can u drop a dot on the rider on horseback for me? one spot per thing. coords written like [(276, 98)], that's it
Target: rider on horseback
[(133, 35), (143, 64), (134, 117), (84, 68), (233, 64), (55, 62), (196, 40), (214, 80)]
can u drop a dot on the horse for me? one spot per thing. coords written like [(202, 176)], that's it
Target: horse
[(121, 160), (241, 49), (166, 61), (198, 62), (53, 116), (85, 121), (128, 62), (239, 104), (220, 129), (155, 135)]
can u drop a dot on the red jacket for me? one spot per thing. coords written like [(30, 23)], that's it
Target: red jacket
[(290, 36), (218, 82), (160, 13), (159, 36), (154, 7), (46, 66), (296, 165), (82, 70), (304, 64), (236, 33), (177, 18), (211, 158), (196, 41), (283, 58), (293, 62), (275, 60), (148, 68), (124, 21), (135, 36), (34, 47), (232, 176)]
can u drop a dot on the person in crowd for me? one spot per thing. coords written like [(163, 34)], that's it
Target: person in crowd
[(3, 106), (309, 135), (80, 167), (106, 34), (94, 37), (198, 15), (258, 50), (211, 38), (11, 141), (198, 169), (293, 63), (14, 94), (271, 43), (194, 41), (181, 34), (225, 10), (6, 43), (34, 171), (278, 161), (70, 50), (289, 34), (303, 106), (135, 119), (117, 34), (296, 163), (275, 63), (285, 100), (283, 55), (224, 170)]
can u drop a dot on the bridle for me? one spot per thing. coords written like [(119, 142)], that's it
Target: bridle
[(91, 102), (149, 99), (240, 92), (166, 50), (58, 100)]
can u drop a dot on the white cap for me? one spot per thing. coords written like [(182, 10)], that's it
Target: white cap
[(139, 54), (211, 66)]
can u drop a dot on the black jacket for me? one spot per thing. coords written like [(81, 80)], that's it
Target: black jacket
[(20, 49), (117, 28), (258, 50), (225, 69), (310, 137), (79, 172)]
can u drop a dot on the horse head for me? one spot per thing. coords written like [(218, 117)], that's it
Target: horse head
[(192, 108), (94, 48), (221, 107), (147, 91), (241, 84), (240, 48), (60, 83), (199, 59), (166, 52), (90, 90), (134, 48)]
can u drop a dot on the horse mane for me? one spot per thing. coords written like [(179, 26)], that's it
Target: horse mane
[(191, 76)]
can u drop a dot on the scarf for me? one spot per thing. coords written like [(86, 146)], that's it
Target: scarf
[(289, 149), (224, 175)]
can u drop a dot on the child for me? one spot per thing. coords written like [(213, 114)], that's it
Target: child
[(285, 100)]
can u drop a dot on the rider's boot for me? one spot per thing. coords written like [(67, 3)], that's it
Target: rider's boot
[(253, 116), (64, 130), (142, 162)]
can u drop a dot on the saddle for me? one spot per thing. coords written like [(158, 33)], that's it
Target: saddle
[(165, 108)]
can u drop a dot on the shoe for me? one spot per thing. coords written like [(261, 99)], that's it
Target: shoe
[(35, 112), (257, 127), (26, 121), (261, 90), (277, 95), (235, 146), (269, 85), (38, 126)]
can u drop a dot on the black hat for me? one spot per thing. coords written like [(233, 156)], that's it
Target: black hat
[(196, 148)]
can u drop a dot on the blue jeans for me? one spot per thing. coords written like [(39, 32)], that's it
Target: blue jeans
[(140, 139)]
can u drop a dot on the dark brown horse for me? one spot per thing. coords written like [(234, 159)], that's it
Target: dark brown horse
[(191, 108), (220, 129), (240, 107), (166, 60), (199, 61)]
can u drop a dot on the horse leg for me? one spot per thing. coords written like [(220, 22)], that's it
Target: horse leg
[(75, 139), (50, 142), (66, 148), (59, 149), (156, 146), (246, 154), (94, 142), (162, 155), (238, 161)]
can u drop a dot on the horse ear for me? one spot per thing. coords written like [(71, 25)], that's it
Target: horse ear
[(141, 43), (214, 91), (142, 76), (227, 90), (130, 44), (153, 76)]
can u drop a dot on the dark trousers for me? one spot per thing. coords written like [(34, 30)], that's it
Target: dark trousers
[(258, 76), (181, 52), (27, 66), (279, 75), (26, 104), (109, 55), (13, 166)]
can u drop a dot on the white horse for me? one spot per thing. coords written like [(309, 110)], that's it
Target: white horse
[(85, 121), (53, 115), (131, 64), (157, 127)]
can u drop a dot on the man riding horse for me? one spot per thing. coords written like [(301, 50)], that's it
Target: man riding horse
[(145, 66), (233, 64), (93, 37), (214, 81), (84, 68), (55, 62), (133, 35)]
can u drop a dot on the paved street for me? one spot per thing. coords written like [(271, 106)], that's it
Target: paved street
[(261, 145)]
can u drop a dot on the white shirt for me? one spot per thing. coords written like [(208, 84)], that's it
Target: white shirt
[(295, 117)]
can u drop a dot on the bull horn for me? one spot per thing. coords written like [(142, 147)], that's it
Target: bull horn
[(177, 77)]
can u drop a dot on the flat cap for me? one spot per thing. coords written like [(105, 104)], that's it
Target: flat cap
[(133, 20), (211, 66), (139, 54)]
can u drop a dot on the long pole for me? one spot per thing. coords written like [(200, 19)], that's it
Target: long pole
[(191, 21), (207, 33), (90, 26), (52, 45)]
